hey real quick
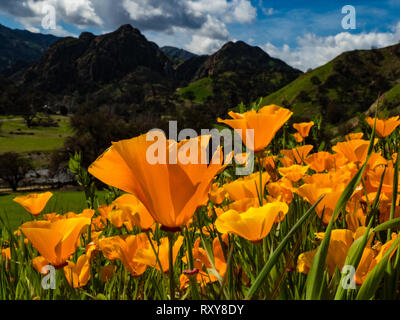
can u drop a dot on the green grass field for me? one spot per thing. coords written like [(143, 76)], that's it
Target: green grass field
[(201, 89), (61, 202), (44, 139)]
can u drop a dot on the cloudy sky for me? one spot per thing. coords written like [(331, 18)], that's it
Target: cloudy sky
[(305, 34)]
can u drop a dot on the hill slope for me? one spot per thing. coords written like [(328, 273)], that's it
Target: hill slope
[(238, 72), (339, 89), (18, 46)]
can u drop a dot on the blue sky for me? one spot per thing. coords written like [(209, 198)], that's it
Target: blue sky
[(305, 34)]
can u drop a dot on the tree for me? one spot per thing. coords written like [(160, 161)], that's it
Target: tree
[(13, 168)]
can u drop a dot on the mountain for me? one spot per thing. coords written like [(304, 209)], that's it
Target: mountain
[(89, 62), (345, 86), (237, 72), (21, 46), (177, 55), (123, 68)]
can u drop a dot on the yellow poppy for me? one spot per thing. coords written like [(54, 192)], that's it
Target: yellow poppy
[(135, 212), (296, 155), (246, 187), (312, 192), (297, 136), (55, 241), (303, 128), (254, 224), (170, 191), (39, 262), (146, 256), (265, 122), (384, 127), (78, 274), (34, 202), (321, 161), (294, 173), (353, 150), (125, 248)]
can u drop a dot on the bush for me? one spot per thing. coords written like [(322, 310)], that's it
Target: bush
[(13, 168)]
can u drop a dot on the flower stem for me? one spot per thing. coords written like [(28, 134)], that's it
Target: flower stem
[(171, 265)]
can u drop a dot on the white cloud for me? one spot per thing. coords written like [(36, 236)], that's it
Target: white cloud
[(212, 35), (204, 20), (313, 51)]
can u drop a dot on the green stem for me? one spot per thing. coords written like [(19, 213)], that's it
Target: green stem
[(155, 252), (171, 265)]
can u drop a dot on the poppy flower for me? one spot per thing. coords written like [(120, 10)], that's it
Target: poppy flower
[(135, 212), (55, 241), (281, 190), (353, 150), (34, 202), (78, 274), (384, 127), (296, 155), (339, 245), (217, 194), (146, 256), (321, 161), (39, 262), (294, 173), (254, 224), (172, 190), (202, 263), (265, 122), (354, 136), (246, 187), (312, 192), (125, 248), (6, 253), (303, 128)]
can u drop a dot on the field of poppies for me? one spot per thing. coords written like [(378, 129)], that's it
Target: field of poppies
[(308, 223)]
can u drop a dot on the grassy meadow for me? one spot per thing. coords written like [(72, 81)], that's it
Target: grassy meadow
[(310, 222), (17, 137), (61, 202)]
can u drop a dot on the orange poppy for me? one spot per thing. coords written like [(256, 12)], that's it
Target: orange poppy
[(125, 249), (78, 274), (265, 122), (34, 202), (55, 241), (246, 187), (303, 128), (217, 194), (321, 161), (38, 263), (353, 150), (170, 191), (135, 212), (296, 155), (384, 127), (294, 173), (254, 224), (146, 256), (312, 192), (339, 245)]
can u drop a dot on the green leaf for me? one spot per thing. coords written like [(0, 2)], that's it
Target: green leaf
[(374, 278), (314, 280), (275, 255)]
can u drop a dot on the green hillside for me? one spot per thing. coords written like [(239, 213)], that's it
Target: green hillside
[(198, 90), (340, 89)]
